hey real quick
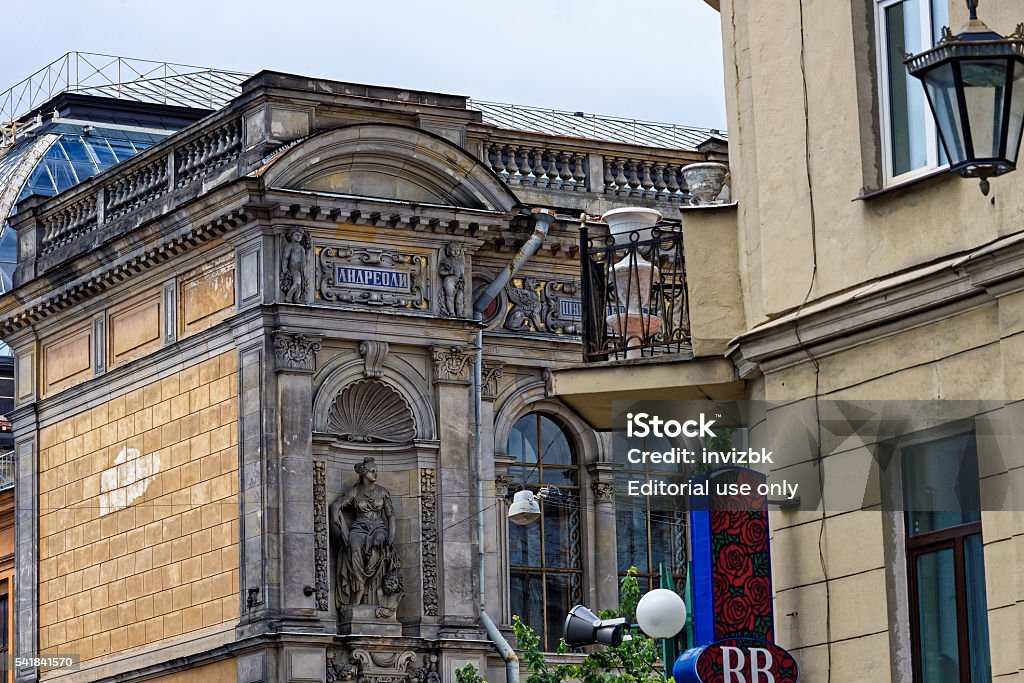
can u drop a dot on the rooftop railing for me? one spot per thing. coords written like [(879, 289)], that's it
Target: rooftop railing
[(634, 298), (140, 80)]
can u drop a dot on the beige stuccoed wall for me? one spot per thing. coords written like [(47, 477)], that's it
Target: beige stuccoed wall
[(773, 153), (165, 563), (974, 353)]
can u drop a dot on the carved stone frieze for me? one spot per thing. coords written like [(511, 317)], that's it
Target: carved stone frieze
[(339, 671), (320, 538), (489, 376), (452, 364), (428, 534), (452, 270), (371, 411), (373, 276), (541, 306), (374, 353), (427, 673), (525, 314), (295, 352), (294, 282), (383, 667)]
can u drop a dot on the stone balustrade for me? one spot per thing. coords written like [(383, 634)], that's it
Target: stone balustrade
[(539, 162), (135, 188), (68, 222), (144, 179), (206, 153), (543, 167), (531, 162), (645, 179)]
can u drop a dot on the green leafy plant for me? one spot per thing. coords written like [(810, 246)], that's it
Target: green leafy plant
[(468, 674), (637, 660)]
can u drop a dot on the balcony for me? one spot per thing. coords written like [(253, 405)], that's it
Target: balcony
[(634, 295), (6, 469), (658, 309)]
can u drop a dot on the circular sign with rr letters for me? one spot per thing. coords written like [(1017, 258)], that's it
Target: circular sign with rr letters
[(736, 660)]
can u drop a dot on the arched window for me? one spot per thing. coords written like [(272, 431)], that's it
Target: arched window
[(650, 531), (545, 557)]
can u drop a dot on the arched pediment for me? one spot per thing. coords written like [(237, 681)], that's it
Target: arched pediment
[(389, 161)]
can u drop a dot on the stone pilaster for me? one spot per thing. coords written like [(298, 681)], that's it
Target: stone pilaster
[(26, 540), (606, 570), (453, 368), (294, 361)]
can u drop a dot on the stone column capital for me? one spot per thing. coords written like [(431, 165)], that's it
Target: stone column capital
[(452, 364), (489, 376), (604, 491), (295, 352)]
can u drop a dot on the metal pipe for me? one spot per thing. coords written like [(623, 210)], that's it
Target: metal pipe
[(543, 219)]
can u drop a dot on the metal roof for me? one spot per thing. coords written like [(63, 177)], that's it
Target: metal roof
[(581, 125), (142, 80)]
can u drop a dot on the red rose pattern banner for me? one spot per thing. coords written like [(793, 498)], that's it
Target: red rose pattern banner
[(741, 566)]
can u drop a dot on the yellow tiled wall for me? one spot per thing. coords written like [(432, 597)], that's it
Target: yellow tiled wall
[(120, 566)]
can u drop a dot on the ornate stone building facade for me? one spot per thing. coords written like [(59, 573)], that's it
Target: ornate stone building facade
[(244, 422)]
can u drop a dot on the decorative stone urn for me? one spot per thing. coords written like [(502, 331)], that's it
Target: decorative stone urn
[(633, 321), (705, 181), (621, 222)]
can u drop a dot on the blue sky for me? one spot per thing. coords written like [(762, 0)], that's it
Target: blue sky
[(659, 61)]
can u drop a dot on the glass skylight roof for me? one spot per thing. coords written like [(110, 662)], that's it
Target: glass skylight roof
[(52, 162), (76, 156)]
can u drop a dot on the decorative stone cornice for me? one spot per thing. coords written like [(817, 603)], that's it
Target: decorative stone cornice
[(452, 364), (79, 292), (295, 352), (883, 307)]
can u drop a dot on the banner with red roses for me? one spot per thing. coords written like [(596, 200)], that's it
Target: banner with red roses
[(731, 561)]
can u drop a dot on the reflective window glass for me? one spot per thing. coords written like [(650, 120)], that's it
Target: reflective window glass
[(545, 556)]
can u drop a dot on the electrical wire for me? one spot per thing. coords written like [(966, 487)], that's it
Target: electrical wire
[(800, 341)]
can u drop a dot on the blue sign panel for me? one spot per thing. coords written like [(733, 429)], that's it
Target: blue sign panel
[(372, 278), (570, 309)]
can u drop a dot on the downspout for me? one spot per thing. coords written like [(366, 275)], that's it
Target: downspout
[(543, 219)]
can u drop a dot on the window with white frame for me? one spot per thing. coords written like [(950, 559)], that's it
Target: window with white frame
[(910, 143)]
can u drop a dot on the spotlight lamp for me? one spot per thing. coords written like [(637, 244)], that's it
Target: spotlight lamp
[(974, 81), (661, 613), (583, 627)]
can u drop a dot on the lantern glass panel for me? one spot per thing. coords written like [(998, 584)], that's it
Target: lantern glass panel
[(985, 98), (1016, 113), (941, 89)]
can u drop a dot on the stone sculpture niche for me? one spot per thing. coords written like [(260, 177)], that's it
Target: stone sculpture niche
[(368, 579)]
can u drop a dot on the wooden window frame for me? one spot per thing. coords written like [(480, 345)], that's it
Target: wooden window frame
[(543, 570)]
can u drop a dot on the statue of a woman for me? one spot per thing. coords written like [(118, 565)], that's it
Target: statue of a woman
[(368, 565)]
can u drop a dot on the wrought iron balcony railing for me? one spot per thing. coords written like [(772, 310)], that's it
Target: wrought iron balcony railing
[(634, 294), (6, 469)]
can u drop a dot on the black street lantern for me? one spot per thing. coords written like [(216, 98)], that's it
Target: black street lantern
[(974, 81)]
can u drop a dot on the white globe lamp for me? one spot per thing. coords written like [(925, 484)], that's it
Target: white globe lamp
[(661, 613)]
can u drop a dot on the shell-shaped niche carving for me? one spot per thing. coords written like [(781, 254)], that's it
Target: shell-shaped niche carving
[(371, 411)]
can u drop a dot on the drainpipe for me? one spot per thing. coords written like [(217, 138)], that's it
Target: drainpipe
[(543, 219)]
